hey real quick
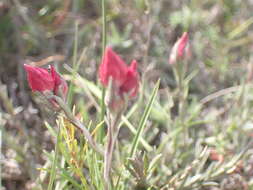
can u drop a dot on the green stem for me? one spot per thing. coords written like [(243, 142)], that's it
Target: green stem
[(181, 89), (104, 25), (179, 73), (112, 133), (102, 103), (75, 67)]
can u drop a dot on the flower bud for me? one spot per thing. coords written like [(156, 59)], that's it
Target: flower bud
[(46, 81), (124, 79), (180, 50)]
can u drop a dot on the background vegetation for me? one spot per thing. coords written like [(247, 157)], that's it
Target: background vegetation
[(207, 147)]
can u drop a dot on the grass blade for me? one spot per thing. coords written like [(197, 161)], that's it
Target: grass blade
[(53, 169), (144, 119)]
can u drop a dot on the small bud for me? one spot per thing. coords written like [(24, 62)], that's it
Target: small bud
[(180, 50)]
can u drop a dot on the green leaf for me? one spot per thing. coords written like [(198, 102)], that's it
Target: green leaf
[(144, 120)]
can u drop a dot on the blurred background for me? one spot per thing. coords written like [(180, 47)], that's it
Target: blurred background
[(63, 32)]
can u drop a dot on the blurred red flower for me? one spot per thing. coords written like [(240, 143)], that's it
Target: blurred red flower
[(215, 156), (44, 80), (180, 49), (125, 78)]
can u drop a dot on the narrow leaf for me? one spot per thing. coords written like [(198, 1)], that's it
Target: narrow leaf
[(144, 120)]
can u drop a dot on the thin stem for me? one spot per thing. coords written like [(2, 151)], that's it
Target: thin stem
[(102, 115), (75, 65), (104, 39), (179, 73), (104, 25), (112, 135), (113, 118)]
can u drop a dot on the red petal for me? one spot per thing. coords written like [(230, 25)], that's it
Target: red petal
[(131, 83), (60, 83), (55, 76), (39, 79), (173, 54), (112, 65), (183, 41)]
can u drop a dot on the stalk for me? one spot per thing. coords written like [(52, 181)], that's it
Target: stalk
[(102, 103)]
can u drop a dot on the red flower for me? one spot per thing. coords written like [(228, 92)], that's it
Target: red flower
[(125, 78), (180, 49), (44, 80)]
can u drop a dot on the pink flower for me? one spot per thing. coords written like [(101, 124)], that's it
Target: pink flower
[(44, 80), (180, 49), (125, 78)]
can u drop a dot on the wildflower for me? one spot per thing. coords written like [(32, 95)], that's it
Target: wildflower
[(46, 81), (180, 49), (121, 80), (124, 77)]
